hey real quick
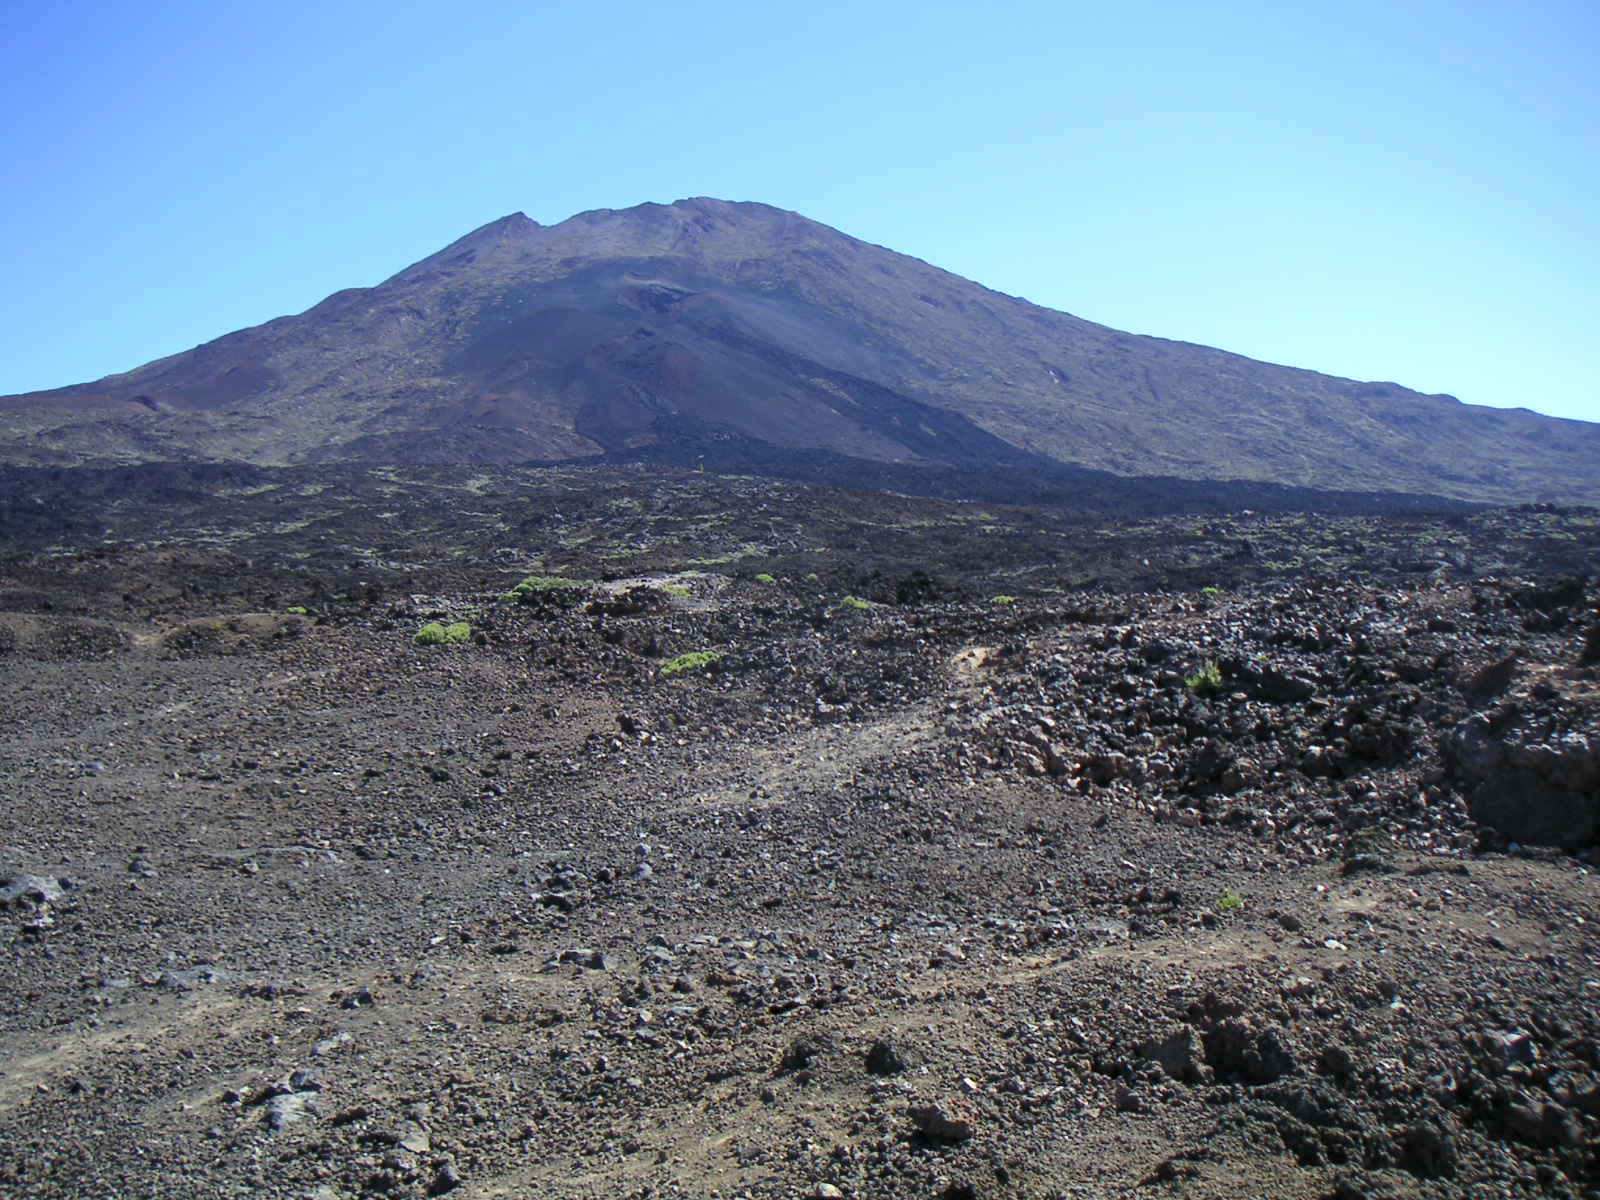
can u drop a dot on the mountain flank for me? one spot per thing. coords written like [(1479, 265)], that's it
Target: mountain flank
[(743, 333)]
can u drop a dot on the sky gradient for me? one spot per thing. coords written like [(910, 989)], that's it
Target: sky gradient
[(1383, 191)]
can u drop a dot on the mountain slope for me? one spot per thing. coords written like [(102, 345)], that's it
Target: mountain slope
[(620, 332)]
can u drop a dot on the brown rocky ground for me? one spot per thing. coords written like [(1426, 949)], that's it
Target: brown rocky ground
[(1002, 852)]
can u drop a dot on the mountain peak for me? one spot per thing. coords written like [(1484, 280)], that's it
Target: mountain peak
[(513, 221), (512, 230), (516, 225)]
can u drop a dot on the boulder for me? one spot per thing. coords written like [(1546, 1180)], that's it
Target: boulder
[(1534, 778)]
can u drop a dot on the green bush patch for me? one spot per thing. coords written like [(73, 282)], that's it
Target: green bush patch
[(535, 585), (1207, 679), (1002, 599), (765, 578), (856, 603), (435, 634), (697, 660)]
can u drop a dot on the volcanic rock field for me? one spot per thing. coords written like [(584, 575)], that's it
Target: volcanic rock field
[(642, 832)]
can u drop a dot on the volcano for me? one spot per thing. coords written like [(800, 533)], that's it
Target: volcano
[(754, 336)]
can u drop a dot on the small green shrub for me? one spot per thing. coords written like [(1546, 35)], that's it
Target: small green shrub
[(765, 578), (298, 610), (1211, 591), (1207, 679), (1002, 599), (536, 584), (696, 660), (856, 603), (1229, 901), (675, 589), (435, 634)]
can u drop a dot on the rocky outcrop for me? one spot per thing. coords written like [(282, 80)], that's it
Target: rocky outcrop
[(1531, 771)]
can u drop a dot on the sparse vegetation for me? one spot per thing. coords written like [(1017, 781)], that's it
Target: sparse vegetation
[(535, 585), (1002, 599), (675, 589), (697, 660), (764, 577), (1207, 679), (436, 634), (298, 610), (855, 603), (1229, 901)]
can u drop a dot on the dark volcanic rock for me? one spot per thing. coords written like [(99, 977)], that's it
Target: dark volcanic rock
[(997, 891), (1236, 1050), (886, 1058), (1532, 774), (1176, 1054)]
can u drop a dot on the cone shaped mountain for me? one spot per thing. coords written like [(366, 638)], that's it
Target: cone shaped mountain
[(662, 330)]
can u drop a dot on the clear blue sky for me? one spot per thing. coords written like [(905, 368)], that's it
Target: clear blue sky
[(1395, 191)]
